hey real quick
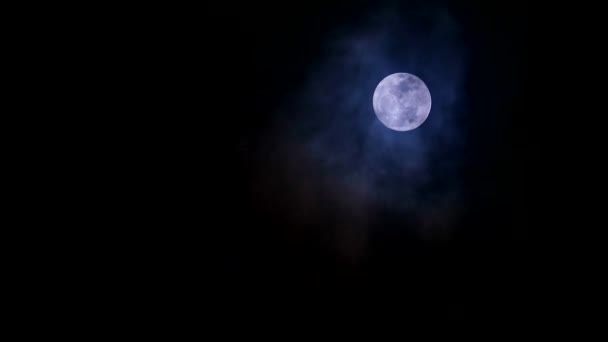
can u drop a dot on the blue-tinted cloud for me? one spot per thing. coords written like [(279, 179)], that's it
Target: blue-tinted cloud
[(336, 152)]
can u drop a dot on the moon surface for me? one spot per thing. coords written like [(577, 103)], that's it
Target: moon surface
[(402, 102)]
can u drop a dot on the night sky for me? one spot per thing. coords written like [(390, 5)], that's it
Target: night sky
[(309, 190)]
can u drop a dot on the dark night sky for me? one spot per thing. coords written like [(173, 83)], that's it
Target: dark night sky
[(308, 189)]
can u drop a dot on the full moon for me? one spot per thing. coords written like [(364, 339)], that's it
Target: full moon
[(402, 102)]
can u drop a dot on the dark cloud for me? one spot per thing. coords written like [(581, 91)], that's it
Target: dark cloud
[(333, 161)]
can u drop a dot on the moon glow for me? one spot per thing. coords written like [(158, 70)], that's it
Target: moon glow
[(402, 102)]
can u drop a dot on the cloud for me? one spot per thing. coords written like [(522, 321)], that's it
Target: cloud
[(333, 157)]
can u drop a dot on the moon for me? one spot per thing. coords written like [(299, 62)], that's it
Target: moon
[(402, 102)]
